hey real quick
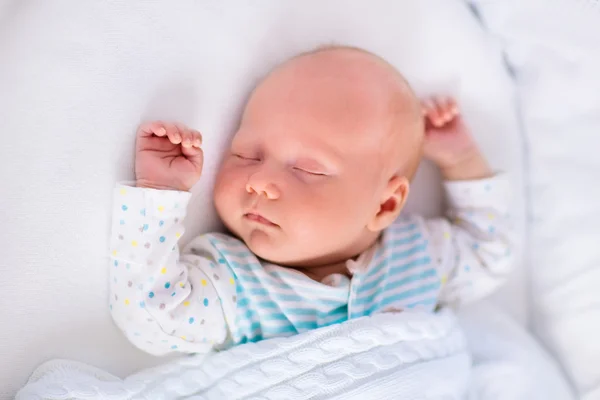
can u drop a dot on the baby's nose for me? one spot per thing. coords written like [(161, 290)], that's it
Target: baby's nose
[(269, 190)]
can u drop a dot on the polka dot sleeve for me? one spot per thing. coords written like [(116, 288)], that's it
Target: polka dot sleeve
[(473, 244), (162, 302)]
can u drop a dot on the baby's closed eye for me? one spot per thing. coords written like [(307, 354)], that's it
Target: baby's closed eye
[(310, 171), (310, 166), (246, 157)]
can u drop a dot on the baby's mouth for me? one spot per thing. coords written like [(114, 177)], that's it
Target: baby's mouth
[(259, 219)]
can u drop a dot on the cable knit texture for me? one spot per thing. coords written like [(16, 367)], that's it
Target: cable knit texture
[(407, 355)]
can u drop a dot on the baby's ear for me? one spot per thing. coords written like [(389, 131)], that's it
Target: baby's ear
[(393, 200)]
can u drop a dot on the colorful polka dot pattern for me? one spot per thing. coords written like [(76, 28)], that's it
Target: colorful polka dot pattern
[(161, 304), (482, 207)]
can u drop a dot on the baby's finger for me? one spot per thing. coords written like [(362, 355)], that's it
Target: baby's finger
[(194, 155), (187, 139), (442, 111), (152, 128), (173, 133), (433, 112), (451, 106), (196, 139), (455, 109)]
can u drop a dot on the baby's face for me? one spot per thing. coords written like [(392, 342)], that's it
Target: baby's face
[(306, 168)]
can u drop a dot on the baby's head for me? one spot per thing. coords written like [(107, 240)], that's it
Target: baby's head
[(323, 157)]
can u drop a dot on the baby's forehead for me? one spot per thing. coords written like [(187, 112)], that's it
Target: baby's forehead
[(344, 98), (348, 83)]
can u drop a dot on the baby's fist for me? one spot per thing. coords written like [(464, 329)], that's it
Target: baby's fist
[(447, 138), (449, 143), (168, 156)]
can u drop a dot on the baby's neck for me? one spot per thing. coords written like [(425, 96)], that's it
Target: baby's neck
[(319, 273), (318, 269)]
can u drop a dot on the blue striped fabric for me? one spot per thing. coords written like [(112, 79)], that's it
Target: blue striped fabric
[(274, 301)]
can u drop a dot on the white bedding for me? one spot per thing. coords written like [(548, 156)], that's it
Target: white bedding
[(76, 78), (388, 356), (556, 61)]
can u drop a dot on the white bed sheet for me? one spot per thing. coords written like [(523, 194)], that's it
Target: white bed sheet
[(76, 78), (556, 61)]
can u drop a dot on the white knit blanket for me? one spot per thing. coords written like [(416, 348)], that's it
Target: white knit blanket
[(388, 356)]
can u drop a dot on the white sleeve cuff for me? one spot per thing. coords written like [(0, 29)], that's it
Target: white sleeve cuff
[(490, 192)]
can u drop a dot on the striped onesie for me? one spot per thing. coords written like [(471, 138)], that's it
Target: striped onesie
[(216, 293)]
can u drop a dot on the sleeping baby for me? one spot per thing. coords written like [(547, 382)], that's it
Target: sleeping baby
[(311, 191)]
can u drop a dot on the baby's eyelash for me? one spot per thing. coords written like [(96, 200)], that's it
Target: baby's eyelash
[(245, 158), (310, 172)]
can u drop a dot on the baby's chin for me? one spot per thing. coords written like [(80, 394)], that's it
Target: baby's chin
[(262, 244), (268, 247)]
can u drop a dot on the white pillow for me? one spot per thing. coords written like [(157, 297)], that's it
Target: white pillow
[(77, 78), (554, 50)]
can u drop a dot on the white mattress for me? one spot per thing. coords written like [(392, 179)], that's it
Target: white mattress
[(76, 78)]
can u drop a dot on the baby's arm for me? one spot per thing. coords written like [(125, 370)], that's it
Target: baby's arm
[(473, 244), (161, 301), (164, 302)]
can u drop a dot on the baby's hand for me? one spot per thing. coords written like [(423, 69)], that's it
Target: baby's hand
[(449, 143), (168, 156)]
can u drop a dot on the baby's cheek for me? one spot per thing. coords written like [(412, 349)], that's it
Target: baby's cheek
[(220, 197), (325, 230), (325, 214), (226, 195), (305, 215)]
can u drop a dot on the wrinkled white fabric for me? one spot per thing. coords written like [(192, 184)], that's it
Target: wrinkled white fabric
[(388, 356), (405, 355), (553, 48)]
